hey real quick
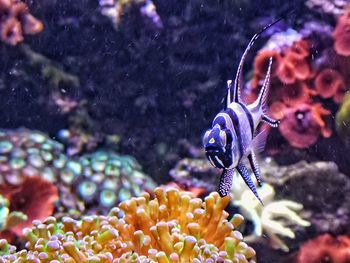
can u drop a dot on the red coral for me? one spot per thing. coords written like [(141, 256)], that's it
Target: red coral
[(325, 248), (341, 35), (303, 124), (35, 198), (328, 82), (295, 93), (16, 20)]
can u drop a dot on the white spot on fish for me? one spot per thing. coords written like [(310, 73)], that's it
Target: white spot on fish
[(212, 140)]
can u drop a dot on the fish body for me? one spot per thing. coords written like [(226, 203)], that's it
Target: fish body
[(232, 137)]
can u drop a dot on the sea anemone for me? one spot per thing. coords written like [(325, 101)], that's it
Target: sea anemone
[(173, 227), (328, 82), (34, 198), (303, 124), (325, 248)]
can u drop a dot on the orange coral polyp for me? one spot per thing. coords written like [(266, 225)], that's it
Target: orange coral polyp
[(261, 62), (327, 82), (16, 20), (300, 49), (286, 72), (295, 93)]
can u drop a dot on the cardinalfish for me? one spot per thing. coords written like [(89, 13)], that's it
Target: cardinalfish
[(233, 136)]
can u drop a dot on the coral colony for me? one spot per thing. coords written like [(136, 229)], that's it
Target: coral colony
[(83, 196)]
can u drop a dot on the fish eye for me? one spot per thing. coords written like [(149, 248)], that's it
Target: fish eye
[(223, 138), (206, 137)]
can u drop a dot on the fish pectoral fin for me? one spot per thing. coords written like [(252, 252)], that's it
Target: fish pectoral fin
[(246, 177), (225, 183), (259, 141), (255, 167)]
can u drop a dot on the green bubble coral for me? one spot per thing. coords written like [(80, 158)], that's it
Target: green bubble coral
[(172, 227), (91, 183)]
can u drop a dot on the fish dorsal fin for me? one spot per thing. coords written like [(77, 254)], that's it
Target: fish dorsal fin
[(229, 95), (237, 84), (259, 141), (261, 100)]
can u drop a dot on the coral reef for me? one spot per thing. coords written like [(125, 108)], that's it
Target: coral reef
[(173, 227), (274, 218), (325, 248), (309, 80), (319, 186), (86, 184), (17, 21), (331, 7)]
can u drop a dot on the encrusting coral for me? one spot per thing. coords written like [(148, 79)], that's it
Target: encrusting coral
[(273, 218), (173, 227), (16, 21)]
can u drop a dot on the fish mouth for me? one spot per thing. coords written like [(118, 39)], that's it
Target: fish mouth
[(215, 155)]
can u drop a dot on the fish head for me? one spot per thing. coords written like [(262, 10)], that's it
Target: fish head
[(215, 142)]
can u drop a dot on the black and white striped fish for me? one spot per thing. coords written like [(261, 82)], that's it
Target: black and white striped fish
[(232, 137)]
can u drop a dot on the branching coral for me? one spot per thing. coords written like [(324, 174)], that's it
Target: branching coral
[(173, 227), (325, 248), (273, 218), (16, 21)]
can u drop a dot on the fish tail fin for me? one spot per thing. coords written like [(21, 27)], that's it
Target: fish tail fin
[(246, 177)]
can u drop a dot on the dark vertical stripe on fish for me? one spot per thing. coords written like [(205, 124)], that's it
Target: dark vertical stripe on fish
[(233, 116), (249, 117), (221, 121)]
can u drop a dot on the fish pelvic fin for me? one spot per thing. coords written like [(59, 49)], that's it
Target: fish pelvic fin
[(242, 170), (225, 183), (255, 167)]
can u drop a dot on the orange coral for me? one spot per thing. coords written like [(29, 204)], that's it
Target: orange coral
[(35, 198), (325, 248), (261, 63), (16, 21), (294, 65), (327, 83), (341, 35), (303, 124)]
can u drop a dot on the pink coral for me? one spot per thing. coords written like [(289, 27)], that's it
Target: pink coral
[(325, 248), (303, 124)]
